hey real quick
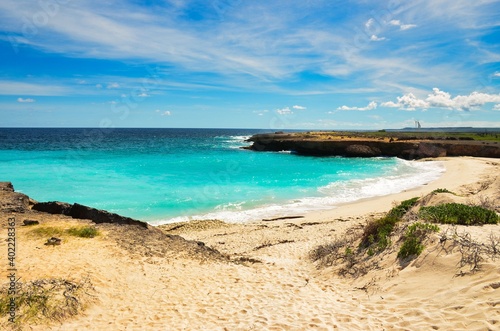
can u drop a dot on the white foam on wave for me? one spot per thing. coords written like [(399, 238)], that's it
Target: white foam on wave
[(234, 142), (406, 175)]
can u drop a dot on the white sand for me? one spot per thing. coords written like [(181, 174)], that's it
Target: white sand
[(284, 292)]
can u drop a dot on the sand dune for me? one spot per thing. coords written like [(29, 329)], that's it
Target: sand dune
[(263, 279)]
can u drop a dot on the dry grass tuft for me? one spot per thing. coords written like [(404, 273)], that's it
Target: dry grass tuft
[(44, 301)]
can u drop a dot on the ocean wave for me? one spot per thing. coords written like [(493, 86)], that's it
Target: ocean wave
[(233, 142), (405, 175)]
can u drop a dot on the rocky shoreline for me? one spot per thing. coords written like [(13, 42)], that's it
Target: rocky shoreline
[(318, 144)]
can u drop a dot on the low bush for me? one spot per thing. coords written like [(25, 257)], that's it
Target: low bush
[(401, 209), (442, 190), (83, 232), (377, 233), (414, 237), (456, 213), (52, 231)]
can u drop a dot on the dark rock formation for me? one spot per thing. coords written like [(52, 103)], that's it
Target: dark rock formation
[(409, 150), (14, 202), (102, 216), (84, 212), (53, 207), (30, 222)]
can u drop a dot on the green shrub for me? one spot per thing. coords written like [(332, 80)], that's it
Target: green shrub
[(52, 231), (414, 236), (456, 213), (377, 233), (401, 209), (442, 190), (83, 232)]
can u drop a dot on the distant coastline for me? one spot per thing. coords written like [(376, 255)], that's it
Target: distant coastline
[(405, 144)]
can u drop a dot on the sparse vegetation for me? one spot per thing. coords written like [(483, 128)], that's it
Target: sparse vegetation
[(413, 135), (47, 300), (85, 231), (340, 252), (456, 213), (414, 237), (442, 190), (472, 252), (47, 231), (377, 233)]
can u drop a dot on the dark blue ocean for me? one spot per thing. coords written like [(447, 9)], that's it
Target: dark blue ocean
[(165, 175)]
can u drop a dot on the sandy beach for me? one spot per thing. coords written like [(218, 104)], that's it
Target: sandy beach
[(259, 275)]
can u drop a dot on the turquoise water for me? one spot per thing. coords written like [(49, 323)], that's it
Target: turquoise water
[(164, 175)]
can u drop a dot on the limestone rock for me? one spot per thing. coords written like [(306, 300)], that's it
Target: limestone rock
[(362, 151)]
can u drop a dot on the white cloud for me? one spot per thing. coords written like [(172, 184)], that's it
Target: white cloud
[(407, 102), (369, 23), (164, 113), (375, 38), (229, 47), (441, 99), (372, 105), (260, 112), (496, 107), (113, 85), (401, 25), (284, 111), (27, 100), (496, 74), (143, 95), (299, 107), (407, 26)]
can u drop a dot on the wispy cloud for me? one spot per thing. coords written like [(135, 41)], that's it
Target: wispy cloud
[(12, 87), (284, 111), (163, 112), (372, 105), (261, 112), (401, 25), (375, 38), (113, 86), (27, 100), (227, 49), (232, 45), (299, 107)]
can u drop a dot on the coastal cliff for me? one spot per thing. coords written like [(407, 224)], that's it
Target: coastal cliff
[(411, 148)]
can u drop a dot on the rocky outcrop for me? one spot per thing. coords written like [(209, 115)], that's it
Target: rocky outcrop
[(362, 151), (409, 150), (102, 216), (53, 207), (84, 212), (13, 202)]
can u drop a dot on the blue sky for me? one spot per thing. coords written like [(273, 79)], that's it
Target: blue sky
[(249, 64)]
